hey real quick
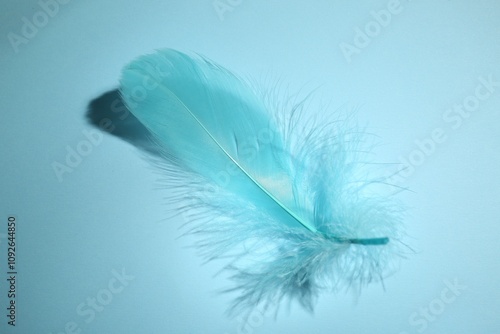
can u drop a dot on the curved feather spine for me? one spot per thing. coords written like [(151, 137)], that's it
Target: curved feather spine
[(309, 227)]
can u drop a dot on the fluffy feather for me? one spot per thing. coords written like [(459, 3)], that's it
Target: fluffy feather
[(285, 197)]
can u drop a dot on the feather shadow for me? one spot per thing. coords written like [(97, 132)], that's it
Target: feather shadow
[(109, 113)]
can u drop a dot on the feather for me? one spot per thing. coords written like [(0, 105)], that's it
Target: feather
[(284, 196)]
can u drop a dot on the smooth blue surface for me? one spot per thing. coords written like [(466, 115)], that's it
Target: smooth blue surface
[(409, 80)]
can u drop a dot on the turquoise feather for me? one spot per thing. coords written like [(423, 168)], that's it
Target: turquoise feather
[(279, 196)]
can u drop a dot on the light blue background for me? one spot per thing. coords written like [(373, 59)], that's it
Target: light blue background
[(108, 215)]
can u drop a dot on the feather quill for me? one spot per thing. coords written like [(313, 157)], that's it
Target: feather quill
[(282, 195)]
